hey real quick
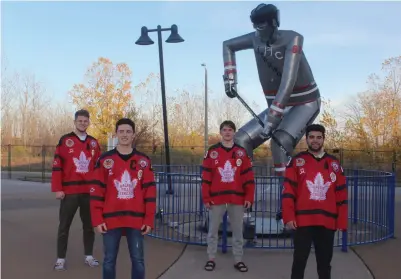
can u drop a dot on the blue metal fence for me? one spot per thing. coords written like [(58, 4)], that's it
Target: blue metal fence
[(181, 216)]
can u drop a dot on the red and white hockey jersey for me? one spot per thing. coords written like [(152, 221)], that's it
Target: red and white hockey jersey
[(73, 164), (123, 192), (315, 192), (227, 176)]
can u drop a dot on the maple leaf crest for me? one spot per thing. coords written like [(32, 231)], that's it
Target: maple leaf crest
[(318, 188), (126, 186), (227, 173), (82, 163)]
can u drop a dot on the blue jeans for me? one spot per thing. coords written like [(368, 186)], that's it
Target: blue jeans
[(111, 244)]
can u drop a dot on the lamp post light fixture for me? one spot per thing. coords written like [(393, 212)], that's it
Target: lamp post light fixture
[(145, 40), (206, 110)]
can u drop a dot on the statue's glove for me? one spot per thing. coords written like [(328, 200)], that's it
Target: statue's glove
[(230, 86), (271, 121)]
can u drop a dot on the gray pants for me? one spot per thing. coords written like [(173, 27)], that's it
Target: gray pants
[(236, 215)]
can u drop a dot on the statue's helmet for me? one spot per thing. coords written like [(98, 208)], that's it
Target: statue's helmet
[(265, 14)]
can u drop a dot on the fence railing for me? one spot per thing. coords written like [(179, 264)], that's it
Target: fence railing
[(181, 216), (40, 158)]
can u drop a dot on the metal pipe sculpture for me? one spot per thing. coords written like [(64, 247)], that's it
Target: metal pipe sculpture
[(292, 95)]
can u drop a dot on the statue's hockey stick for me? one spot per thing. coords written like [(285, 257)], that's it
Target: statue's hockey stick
[(257, 118)]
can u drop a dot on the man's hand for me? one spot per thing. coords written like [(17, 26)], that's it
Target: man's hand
[(208, 205), (60, 195), (230, 87), (101, 228), (247, 204), (292, 225), (145, 229)]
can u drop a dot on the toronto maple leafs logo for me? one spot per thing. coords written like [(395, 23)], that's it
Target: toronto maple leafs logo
[(227, 173), (126, 186), (82, 163), (318, 188)]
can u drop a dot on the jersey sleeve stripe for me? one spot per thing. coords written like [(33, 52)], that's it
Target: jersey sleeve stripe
[(97, 183), (248, 182), (289, 181), (57, 156), (342, 202), (150, 199), (341, 187), (207, 181), (148, 184), (96, 198), (246, 171), (288, 196), (207, 169), (57, 169)]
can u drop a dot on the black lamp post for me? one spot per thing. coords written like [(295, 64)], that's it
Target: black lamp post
[(145, 40)]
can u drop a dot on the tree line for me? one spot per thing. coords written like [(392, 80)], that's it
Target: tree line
[(31, 116)]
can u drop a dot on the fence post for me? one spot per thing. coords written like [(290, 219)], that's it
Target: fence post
[(391, 202), (355, 197), (224, 236), (9, 161), (344, 244), (43, 163), (200, 195), (394, 164)]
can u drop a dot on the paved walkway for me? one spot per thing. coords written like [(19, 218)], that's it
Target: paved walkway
[(262, 264), (29, 224)]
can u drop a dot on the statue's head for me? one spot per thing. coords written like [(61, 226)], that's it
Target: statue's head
[(266, 20)]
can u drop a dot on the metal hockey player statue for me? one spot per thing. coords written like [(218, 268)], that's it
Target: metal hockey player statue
[(291, 93)]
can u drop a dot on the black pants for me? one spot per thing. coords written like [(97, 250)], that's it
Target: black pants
[(323, 240), (68, 207)]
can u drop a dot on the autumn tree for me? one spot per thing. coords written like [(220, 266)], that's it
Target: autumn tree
[(143, 127), (375, 114), (335, 137), (30, 116), (105, 93), (187, 118), (7, 104), (147, 110), (224, 108)]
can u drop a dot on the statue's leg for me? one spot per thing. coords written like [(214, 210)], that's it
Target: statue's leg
[(289, 133), (248, 136)]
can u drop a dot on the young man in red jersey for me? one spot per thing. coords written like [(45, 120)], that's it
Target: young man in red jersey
[(74, 160), (123, 200), (227, 184), (314, 203)]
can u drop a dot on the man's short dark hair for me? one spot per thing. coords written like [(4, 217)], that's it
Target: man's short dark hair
[(316, 128), (81, 112), (228, 123), (125, 121)]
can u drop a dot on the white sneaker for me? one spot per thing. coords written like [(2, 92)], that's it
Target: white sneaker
[(91, 261), (59, 265)]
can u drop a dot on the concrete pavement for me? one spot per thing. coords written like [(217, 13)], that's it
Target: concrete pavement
[(262, 264), (29, 223)]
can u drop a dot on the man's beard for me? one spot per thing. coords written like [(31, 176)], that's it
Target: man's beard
[(311, 148)]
